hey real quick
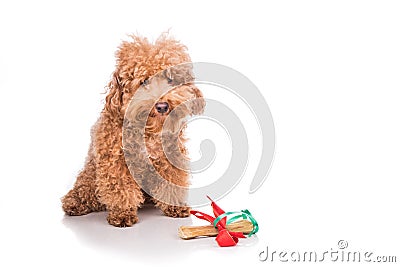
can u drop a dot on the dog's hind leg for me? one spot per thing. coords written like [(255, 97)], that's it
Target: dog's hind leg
[(82, 198)]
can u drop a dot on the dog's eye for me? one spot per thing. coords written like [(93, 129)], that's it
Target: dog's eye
[(169, 80), (145, 82)]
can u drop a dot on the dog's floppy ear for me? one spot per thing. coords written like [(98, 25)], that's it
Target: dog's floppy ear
[(198, 103), (114, 97)]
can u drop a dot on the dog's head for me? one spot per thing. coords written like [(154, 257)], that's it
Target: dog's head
[(152, 66)]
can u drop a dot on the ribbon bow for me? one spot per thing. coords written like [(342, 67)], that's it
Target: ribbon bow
[(226, 238)]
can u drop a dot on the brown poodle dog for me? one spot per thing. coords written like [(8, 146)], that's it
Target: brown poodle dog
[(106, 183)]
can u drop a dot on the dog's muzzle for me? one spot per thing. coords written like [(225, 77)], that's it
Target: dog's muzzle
[(162, 107)]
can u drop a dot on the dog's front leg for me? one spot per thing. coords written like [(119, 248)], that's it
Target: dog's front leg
[(173, 211), (115, 186), (162, 193), (120, 193)]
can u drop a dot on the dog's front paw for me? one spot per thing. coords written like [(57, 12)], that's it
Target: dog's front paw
[(176, 211), (122, 218)]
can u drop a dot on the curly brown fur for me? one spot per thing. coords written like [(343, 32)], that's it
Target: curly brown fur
[(106, 183)]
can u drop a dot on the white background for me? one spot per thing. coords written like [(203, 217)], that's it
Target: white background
[(329, 71)]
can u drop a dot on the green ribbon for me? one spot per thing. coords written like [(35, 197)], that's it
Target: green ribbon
[(243, 214)]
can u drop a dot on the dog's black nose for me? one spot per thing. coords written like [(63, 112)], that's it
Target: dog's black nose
[(162, 107)]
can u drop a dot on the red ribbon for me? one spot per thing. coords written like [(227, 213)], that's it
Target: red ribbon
[(224, 238)]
